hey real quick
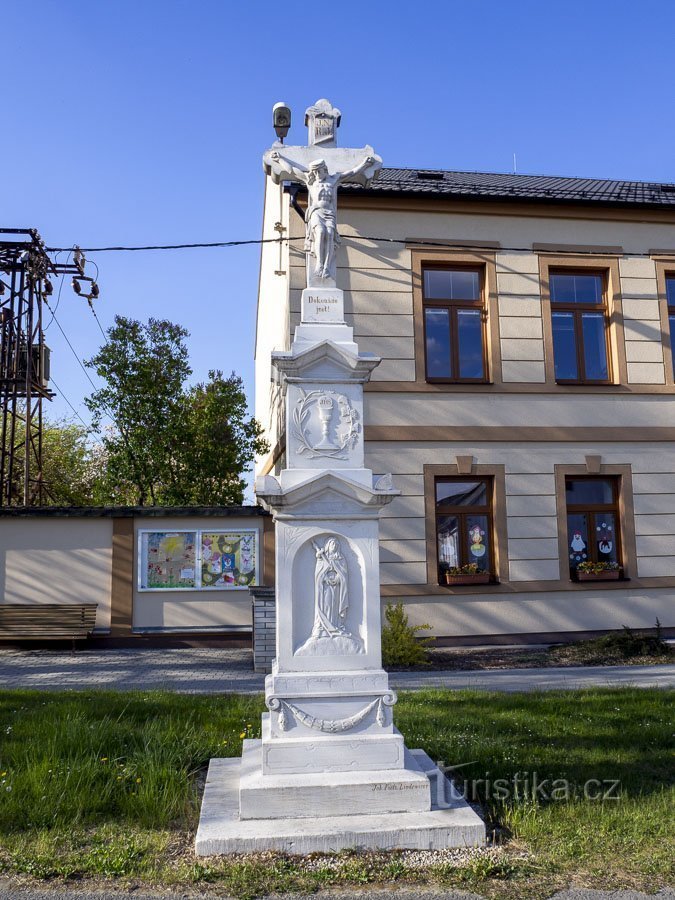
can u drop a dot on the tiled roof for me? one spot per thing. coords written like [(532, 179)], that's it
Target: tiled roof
[(543, 188)]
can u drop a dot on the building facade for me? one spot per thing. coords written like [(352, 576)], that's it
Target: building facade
[(524, 402)]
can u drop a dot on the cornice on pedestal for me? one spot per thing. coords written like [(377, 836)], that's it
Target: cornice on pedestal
[(324, 363), (272, 495)]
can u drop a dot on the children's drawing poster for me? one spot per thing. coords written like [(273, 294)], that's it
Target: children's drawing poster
[(168, 560), (228, 559)]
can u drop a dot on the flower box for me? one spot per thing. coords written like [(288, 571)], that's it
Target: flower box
[(609, 575), (468, 578)]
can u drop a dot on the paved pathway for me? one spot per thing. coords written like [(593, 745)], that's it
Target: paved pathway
[(10, 892), (216, 670)]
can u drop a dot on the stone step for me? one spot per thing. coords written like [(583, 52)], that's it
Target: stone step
[(329, 793), (221, 830), (330, 753)]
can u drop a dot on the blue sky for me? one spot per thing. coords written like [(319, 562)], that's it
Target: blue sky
[(144, 122)]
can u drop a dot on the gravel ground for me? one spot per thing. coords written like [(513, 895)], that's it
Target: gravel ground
[(475, 658)]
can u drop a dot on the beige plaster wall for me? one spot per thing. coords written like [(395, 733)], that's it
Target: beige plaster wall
[(377, 280), (514, 232), (599, 409), (531, 613), (65, 560)]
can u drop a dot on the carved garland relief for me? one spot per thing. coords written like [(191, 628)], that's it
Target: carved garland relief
[(331, 726)]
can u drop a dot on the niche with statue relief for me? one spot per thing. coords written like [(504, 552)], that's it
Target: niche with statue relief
[(328, 620)]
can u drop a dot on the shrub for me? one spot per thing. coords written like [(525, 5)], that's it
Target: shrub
[(400, 644), (614, 647), (627, 643)]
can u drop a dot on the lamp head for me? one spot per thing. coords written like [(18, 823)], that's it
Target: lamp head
[(281, 117)]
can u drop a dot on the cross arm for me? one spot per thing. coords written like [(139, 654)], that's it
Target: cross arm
[(280, 167), (369, 166)]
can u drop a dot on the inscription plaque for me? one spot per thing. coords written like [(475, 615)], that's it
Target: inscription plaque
[(322, 306)]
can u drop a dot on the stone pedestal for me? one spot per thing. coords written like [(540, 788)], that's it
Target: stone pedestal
[(331, 771)]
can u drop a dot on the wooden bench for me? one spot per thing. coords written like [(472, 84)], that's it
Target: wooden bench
[(46, 621)]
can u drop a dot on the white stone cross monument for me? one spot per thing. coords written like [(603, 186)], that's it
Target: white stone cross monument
[(331, 770)]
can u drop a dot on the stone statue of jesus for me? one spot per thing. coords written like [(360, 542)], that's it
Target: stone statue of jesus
[(321, 236)]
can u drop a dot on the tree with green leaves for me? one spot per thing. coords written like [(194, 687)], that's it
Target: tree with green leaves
[(221, 444), (169, 444), (71, 466)]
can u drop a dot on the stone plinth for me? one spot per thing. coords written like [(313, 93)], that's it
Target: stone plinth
[(340, 753), (322, 306), (449, 821)]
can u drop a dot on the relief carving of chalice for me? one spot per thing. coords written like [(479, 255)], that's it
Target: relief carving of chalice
[(325, 406)]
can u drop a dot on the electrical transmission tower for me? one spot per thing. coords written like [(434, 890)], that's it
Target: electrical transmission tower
[(25, 272)]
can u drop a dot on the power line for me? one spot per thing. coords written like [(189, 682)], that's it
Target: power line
[(63, 396), (74, 352), (421, 242), (181, 246), (98, 322), (58, 296), (81, 364)]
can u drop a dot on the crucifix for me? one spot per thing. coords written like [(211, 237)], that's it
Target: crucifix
[(321, 167), (331, 770)]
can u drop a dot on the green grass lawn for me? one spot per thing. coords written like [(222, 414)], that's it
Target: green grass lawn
[(107, 785)]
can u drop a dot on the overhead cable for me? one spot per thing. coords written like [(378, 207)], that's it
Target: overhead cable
[(63, 396), (74, 352), (410, 242)]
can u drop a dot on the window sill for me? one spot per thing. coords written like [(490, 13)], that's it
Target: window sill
[(456, 381), (593, 384)]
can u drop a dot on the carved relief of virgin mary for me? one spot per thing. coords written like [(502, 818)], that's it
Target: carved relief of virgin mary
[(330, 589), (331, 604)]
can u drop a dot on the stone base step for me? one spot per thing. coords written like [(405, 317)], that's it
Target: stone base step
[(334, 793), (330, 753), (221, 830)]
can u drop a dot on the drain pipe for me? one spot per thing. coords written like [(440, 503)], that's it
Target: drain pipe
[(293, 189)]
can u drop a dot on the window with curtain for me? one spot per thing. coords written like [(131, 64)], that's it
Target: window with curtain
[(464, 523), (593, 532)]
